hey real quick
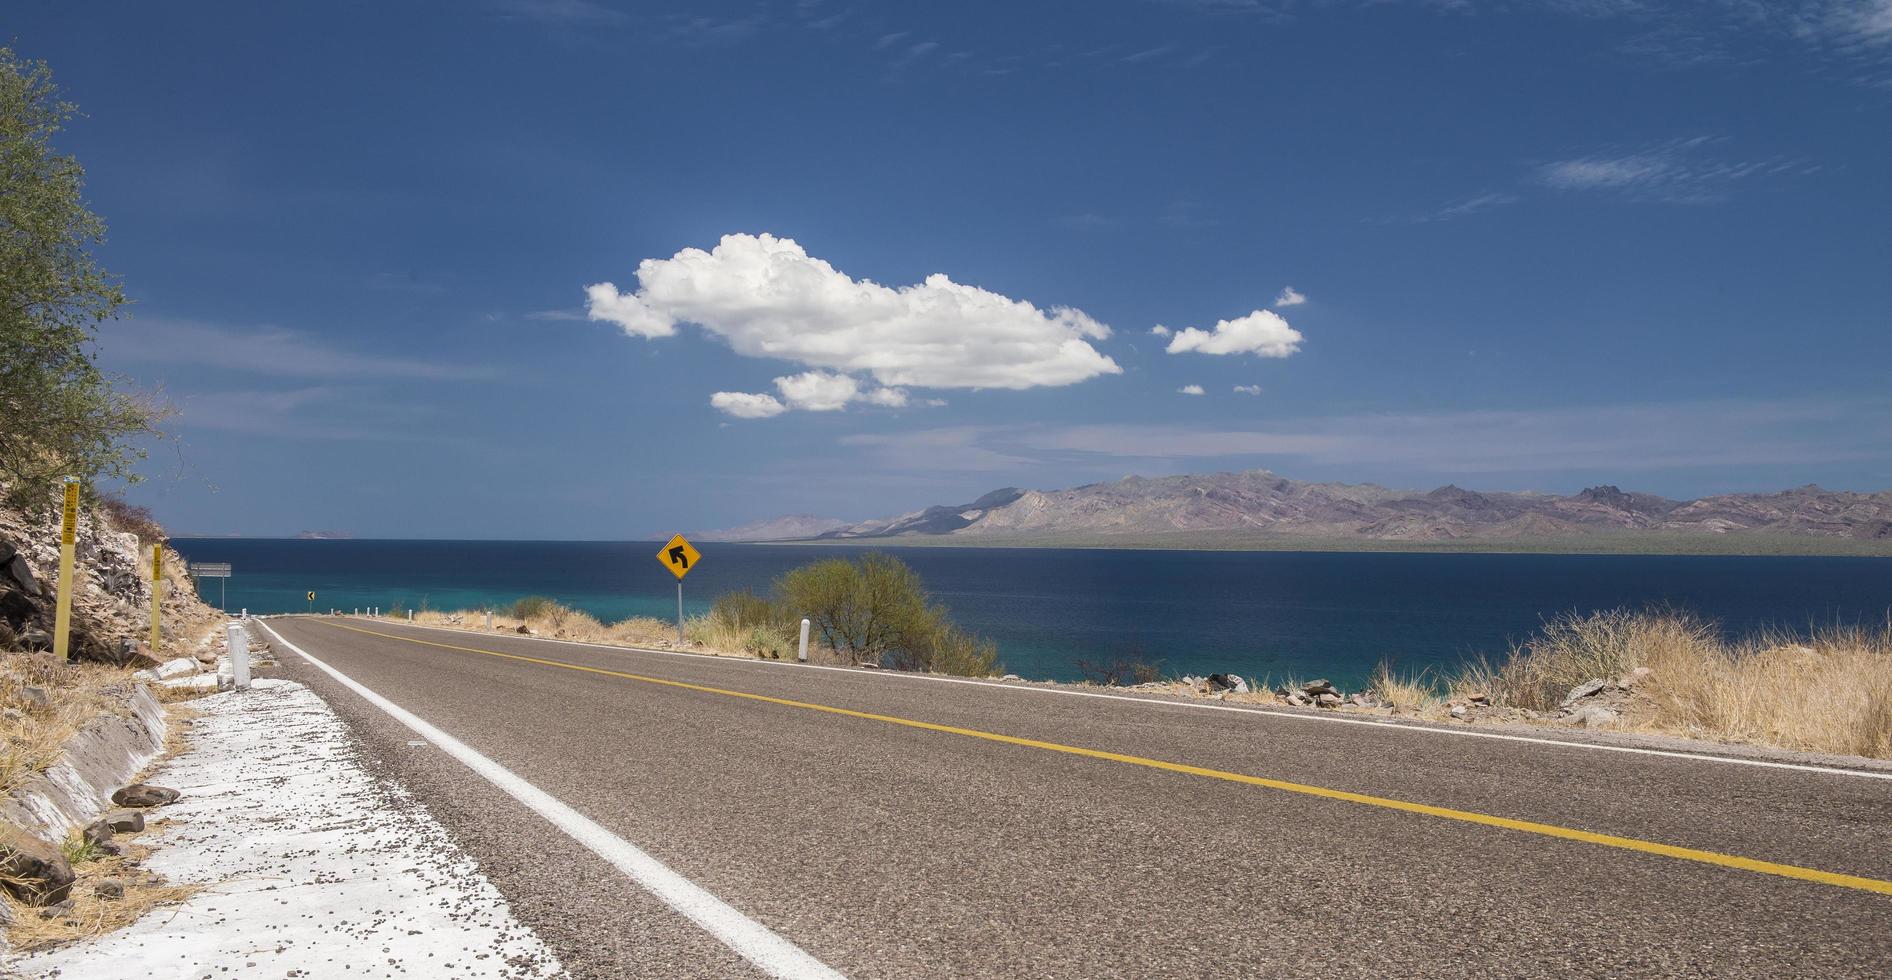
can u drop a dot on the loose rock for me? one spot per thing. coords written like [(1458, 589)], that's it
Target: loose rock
[(110, 888), (98, 831), (144, 795), (1592, 686), (1593, 716), (33, 870), (1327, 699), (1322, 686)]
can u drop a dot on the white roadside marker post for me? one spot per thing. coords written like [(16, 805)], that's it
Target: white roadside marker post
[(239, 657), (489, 619), (410, 615), (802, 657)]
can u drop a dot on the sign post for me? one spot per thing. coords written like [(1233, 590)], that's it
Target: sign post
[(311, 603), (679, 556), (68, 539), (157, 591), (219, 570)]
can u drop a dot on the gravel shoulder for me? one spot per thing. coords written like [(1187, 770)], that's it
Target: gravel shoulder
[(309, 865)]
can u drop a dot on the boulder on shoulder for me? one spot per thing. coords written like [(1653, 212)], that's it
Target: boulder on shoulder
[(34, 871), (144, 795), (1317, 688), (125, 821)]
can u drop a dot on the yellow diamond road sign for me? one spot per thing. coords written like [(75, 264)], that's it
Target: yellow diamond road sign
[(678, 556)]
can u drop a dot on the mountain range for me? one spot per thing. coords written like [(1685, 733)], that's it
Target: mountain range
[(1257, 507)]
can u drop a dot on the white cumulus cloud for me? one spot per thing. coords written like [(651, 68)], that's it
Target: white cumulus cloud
[(767, 297), (818, 391), (1190, 390), (891, 397), (1248, 389), (1289, 297), (746, 406), (1262, 333), (1159, 330)]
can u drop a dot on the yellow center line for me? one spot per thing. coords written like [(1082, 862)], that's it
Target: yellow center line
[(1465, 816)]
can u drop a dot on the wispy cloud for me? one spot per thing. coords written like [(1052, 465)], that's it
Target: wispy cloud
[(1191, 390), (1466, 206), (1150, 54), (558, 13), (1086, 221), (266, 350), (404, 282), (1684, 171), (1290, 297)]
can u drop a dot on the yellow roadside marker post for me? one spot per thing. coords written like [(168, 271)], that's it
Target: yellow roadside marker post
[(679, 556), (157, 591), (68, 537)]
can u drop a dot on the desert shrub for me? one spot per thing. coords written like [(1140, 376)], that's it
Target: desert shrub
[(874, 609), (532, 607), (1119, 670), (127, 516)]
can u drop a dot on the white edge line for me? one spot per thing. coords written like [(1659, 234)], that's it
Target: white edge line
[(1419, 728), (753, 941)]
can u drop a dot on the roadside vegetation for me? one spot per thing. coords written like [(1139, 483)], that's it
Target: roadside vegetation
[(869, 611), (60, 415), (1826, 691)]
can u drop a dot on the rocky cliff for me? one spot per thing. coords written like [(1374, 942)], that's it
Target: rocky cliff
[(111, 608)]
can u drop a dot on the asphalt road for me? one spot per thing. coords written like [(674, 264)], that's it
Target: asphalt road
[(894, 826)]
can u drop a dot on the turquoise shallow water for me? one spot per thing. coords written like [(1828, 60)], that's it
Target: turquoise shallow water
[(1255, 613)]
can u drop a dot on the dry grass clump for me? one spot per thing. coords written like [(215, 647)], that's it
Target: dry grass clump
[(1404, 692), (1572, 649), (1830, 691), (92, 915), (33, 730)]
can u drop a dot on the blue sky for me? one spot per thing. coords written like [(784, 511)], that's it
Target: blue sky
[(1508, 245)]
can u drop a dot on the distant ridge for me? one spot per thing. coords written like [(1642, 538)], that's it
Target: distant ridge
[(794, 527), (1259, 504)]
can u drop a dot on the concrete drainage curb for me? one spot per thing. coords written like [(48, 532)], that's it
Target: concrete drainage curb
[(102, 757)]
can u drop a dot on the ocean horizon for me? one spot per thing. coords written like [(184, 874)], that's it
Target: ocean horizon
[(1265, 615)]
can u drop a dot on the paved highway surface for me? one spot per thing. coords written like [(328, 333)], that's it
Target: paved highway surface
[(880, 825)]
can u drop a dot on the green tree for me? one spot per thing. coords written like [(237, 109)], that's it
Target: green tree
[(59, 414)]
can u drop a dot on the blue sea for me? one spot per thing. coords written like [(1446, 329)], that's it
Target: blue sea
[(1261, 614)]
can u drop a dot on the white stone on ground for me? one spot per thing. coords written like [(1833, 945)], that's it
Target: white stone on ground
[(310, 864)]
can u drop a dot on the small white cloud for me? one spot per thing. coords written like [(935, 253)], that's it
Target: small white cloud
[(1289, 297), (767, 297), (890, 397), (935, 402), (1160, 330), (1190, 390), (1262, 333), (747, 406), (818, 391), (1248, 389)]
